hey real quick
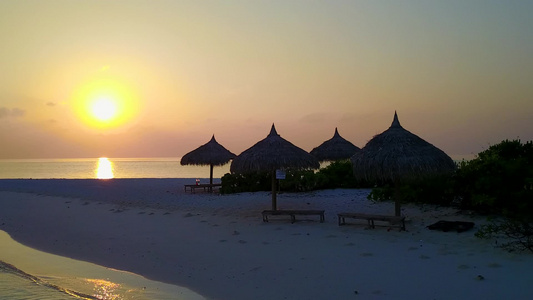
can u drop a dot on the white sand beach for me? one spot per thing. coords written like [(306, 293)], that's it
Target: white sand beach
[(219, 247)]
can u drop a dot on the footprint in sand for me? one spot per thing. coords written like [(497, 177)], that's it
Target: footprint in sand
[(349, 244), (242, 242), (412, 248), (424, 257), (494, 265), (463, 267), (367, 254), (142, 212)]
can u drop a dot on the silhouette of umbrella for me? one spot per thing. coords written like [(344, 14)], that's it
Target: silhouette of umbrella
[(210, 154), (336, 148), (270, 154), (397, 154)]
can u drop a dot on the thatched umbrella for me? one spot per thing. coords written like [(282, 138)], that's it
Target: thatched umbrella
[(271, 154), (336, 148), (211, 154), (396, 155)]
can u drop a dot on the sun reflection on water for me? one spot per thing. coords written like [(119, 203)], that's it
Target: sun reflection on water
[(104, 169), (104, 289)]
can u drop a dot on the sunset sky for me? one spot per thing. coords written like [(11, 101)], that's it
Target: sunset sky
[(159, 78)]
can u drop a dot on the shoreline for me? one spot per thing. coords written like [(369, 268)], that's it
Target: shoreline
[(218, 246), (59, 277)]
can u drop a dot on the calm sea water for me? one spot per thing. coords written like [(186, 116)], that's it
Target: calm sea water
[(89, 168)]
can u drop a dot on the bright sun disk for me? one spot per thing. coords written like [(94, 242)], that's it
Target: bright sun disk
[(104, 109), (106, 103)]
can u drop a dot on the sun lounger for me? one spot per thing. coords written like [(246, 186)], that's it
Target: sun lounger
[(393, 221), (292, 214), (206, 187)]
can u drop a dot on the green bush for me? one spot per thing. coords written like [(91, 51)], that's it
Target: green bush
[(251, 182), (336, 175), (499, 180), (436, 189), (511, 235), (298, 181)]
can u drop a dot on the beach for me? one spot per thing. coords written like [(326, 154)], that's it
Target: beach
[(219, 247)]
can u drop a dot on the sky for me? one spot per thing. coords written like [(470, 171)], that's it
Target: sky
[(170, 74)]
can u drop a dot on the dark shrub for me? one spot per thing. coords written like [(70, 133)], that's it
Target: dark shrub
[(499, 180), (336, 175), (435, 189), (252, 182), (509, 234)]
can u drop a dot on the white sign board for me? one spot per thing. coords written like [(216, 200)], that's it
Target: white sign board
[(280, 174)]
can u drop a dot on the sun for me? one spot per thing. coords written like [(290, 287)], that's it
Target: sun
[(105, 104), (104, 109)]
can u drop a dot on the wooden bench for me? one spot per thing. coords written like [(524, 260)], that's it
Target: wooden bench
[(206, 187), (293, 214), (394, 221)]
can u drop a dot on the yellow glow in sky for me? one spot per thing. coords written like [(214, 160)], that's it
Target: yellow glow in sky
[(105, 103), (174, 73)]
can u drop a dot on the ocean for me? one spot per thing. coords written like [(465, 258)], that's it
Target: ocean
[(104, 168), (20, 279)]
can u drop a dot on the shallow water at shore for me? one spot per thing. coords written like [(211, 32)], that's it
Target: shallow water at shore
[(26, 273)]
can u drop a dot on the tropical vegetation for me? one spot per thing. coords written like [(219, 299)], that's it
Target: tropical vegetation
[(497, 183)]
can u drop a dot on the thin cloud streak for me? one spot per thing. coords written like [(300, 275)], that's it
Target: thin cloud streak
[(11, 112)]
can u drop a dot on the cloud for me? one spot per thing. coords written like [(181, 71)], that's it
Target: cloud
[(13, 112)]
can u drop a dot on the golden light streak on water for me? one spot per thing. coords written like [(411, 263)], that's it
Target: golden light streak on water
[(104, 169), (105, 290)]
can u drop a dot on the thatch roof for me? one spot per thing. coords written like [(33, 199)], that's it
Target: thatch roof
[(399, 154), (273, 153), (335, 148), (211, 153)]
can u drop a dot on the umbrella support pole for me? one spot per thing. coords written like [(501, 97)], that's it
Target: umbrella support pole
[(274, 191), (397, 202), (211, 174)]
